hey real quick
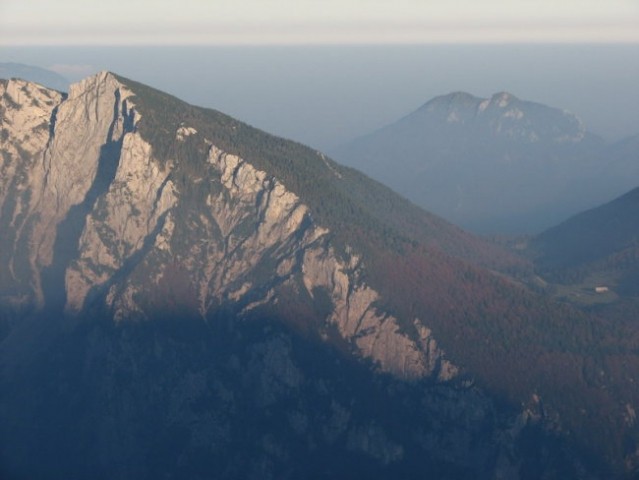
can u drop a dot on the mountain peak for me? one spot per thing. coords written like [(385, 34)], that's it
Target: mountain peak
[(101, 80), (502, 99), (461, 99), (450, 100), (506, 139)]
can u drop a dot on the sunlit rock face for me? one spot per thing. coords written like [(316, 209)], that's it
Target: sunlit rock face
[(52, 151)]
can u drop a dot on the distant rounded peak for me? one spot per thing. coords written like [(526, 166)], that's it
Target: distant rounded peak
[(503, 99), (451, 100), (460, 96), (455, 97)]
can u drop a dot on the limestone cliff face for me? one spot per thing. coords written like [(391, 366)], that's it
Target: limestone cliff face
[(95, 216), (253, 223), (137, 199), (53, 150), (27, 112)]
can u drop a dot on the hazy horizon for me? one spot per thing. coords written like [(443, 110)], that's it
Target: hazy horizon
[(326, 95)]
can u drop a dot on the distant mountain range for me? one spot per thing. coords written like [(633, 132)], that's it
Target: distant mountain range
[(185, 296), (497, 165), (31, 73)]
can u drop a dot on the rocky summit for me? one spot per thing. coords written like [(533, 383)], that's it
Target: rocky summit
[(184, 296), (493, 165)]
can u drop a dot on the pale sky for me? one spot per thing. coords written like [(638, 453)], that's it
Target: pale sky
[(255, 22)]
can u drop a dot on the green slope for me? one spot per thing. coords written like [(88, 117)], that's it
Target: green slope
[(601, 244)]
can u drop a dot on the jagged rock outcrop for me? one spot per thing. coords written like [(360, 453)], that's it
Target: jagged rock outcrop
[(27, 114), (134, 206), (54, 149)]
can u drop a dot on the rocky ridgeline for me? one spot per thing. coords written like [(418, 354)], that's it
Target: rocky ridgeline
[(93, 216)]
